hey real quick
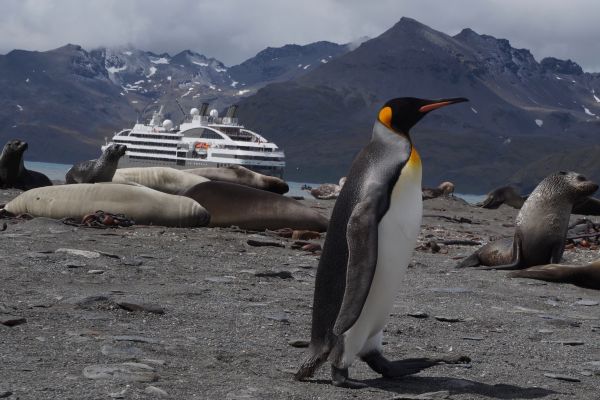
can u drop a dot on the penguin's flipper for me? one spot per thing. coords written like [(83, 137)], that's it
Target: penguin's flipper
[(362, 256), (397, 369)]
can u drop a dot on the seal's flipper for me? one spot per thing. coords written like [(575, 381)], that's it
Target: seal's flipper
[(517, 257), (471, 261), (339, 377), (399, 368)]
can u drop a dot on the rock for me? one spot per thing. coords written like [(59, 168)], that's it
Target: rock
[(131, 306), (134, 262), (418, 314), (11, 320), (96, 271), (280, 316), (562, 377), (75, 264), (126, 352), (126, 372), (154, 391), (261, 243), (5, 394), (275, 274), (443, 318), (300, 343), (586, 303), (89, 300), (477, 338), (80, 253), (568, 342)]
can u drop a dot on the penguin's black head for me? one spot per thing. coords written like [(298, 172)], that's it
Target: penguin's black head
[(403, 113)]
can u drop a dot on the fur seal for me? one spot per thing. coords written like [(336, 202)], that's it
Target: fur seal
[(13, 173), (99, 170), (586, 276), (444, 189), (163, 179), (508, 195), (370, 241), (541, 225), (144, 205), (254, 209), (328, 191), (242, 176)]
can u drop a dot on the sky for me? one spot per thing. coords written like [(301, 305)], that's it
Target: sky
[(234, 30)]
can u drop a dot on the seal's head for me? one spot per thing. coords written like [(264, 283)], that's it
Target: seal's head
[(115, 151), (574, 184), (14, 149)]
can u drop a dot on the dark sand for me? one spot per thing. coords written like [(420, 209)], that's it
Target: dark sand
[(225, 331)]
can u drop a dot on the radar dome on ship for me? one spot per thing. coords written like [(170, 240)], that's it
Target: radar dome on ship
[(167, 124), (214, 113), (194, 112)]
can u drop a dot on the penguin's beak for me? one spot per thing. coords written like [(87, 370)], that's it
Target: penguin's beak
[(441, 103)]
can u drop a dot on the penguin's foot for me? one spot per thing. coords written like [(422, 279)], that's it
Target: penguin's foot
[(396, 369), (339, 378)]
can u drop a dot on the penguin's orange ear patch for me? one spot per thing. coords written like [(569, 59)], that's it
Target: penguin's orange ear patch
[(385, 116)]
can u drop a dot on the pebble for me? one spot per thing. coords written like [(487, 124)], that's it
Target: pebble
[(586, 303), (300, 343), (74, 264), (472, 338), (131, 306), (81, 253), (418, 314), (275, 274), (568, 342), (280, 316), (562, 377), (5, 394), (11, 320), (158, 392), (134, 262), (443, 318), (95, 271), (127, 372), (127, 352)]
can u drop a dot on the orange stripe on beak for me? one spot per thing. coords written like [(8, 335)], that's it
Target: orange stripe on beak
[(434, 106)]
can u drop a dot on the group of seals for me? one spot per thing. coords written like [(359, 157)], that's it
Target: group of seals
[(99, 170), (541, 225), (163, 179), (242, 176), (369, 243), (144, 205), (13, 173)]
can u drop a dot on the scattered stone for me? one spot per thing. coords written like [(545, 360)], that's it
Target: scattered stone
[(135, 338), (154, 391), (75, 264), (126, 352), (11, 320), (568, 342), (275, 274), (300, 343), (443, 318), (151, 308), (96, 271), (80, 253), (261, 243), (443, 394), (5, 394), (134, 262), (110, 255), (153, 361), (126, 372), (418, 314), (545, 331), (593, 366), (567, 378), (477, 338), (280, 316), (586, 303), (89, 300), (120, 394)]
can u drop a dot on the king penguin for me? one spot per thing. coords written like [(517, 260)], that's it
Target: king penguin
[(370, 240)]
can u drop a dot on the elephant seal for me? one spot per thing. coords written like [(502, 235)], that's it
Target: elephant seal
[(541, 225), (163, 179), (586, 276), (13, 173), (253, 209), (144, 205), (99, 170), (242, 176), (503, 195), (444, 189)]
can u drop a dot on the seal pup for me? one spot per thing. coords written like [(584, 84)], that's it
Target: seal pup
[(508, 195), (99, 170), (541, 225), (163, 179), (254, 209), (444, 189), (144, 205), (242, 176), (13, 173), (370, 241), (586, 276)]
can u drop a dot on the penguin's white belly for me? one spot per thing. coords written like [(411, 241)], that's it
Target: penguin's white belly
[(397, 235)]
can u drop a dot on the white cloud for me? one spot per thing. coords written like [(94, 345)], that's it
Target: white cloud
[(233, 30)]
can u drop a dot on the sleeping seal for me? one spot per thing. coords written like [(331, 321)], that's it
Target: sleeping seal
[(541, 225), (253, 209), (13, 173), (99, 170), (586, 276), (444, 189), (163, 179), (145, 206), (242, 176)]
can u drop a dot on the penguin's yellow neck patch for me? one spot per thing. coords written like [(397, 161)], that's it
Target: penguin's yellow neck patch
[(385, 116), (414, 160)]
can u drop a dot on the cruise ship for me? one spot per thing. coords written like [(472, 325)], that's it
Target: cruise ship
[(204, 140)]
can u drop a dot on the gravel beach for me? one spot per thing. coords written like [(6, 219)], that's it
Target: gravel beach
[(152, 312)]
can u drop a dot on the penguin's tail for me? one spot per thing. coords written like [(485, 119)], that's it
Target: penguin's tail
[(309, 366), (471, 261)]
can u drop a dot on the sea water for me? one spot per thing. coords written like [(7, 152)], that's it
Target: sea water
[(56, 172)]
